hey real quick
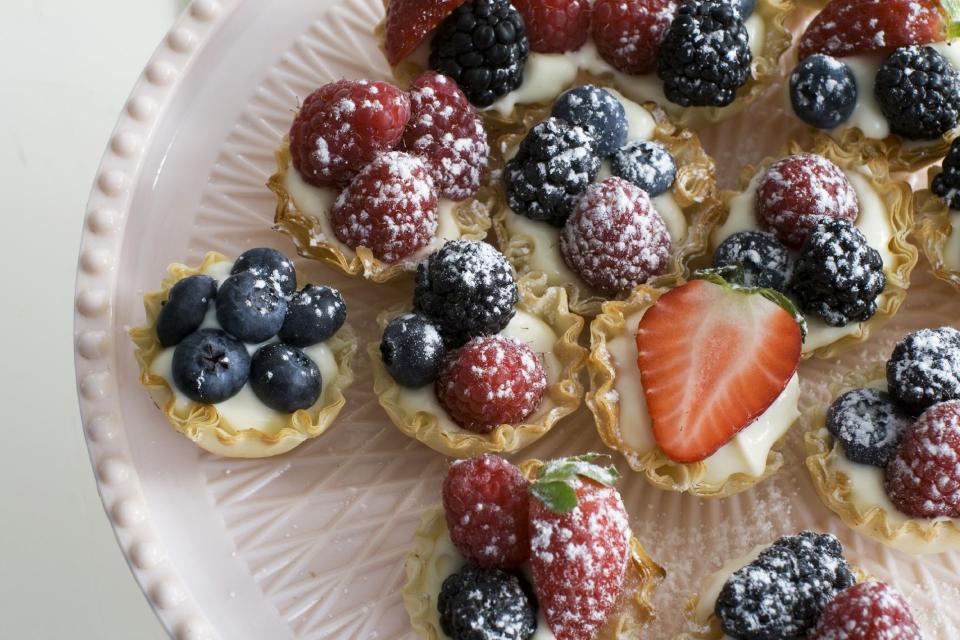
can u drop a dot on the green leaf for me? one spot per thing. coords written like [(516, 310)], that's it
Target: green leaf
[(952, 10), (558, 496)]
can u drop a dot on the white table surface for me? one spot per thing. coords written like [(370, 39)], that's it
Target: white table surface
[(66, 67)]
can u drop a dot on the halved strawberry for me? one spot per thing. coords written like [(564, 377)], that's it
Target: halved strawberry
[(409, 22), (712, 358)]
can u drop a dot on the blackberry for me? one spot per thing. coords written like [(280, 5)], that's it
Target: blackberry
[(869, 423), (781, 594), (919, 93), (554, 165), (646, 164), (486, 604), (705, 56), (764, 260), (483, 46), (924, 368), (946, 184), (838, 276), (823, 91), (412, 350), (467, 289), (598, 112)]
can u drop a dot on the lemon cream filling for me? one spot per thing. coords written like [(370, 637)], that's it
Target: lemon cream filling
[(951, 250)]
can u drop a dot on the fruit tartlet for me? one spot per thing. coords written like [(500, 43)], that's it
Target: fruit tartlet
[(700, 60), (829, 228), (239, 360), (480, 364), (798, 587), (885, 455), (602, 195), (543, 551), (938, 218), (881, 73), (372, 178), (697, 385)]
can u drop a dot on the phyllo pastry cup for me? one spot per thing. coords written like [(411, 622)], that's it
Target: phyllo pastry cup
[(936, 226)]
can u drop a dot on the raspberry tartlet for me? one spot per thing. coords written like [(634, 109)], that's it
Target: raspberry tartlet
[(828, 227), (239, 360), (497, 559), (884, 74), (601, 195), (372, 178), (482, 363), (883, 456), (700, 61), (696, 386), (938, 218)]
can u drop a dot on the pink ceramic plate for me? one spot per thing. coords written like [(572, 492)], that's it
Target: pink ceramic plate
[(310, 545)]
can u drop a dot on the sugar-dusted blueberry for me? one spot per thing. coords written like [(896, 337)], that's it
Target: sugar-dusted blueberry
[(764, 260), (924, 368), (268, 263), (412, 350), (185, 308), (596, 111), (251, 307), (646, 164), (313, 314), (823, 91), (869, 423), (210, 366), (285, 378)]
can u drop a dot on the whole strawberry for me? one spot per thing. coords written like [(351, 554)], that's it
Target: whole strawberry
[(579, 543)]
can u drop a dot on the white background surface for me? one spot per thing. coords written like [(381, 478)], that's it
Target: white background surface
[(66, 67)]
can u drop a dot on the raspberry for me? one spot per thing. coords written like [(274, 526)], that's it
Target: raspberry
[(923, 478), (390, 208), (867, 611), (343, 126), (485, 500), (555, 26), (491, 380), (446, 131), (798, 191), (628, 33), (615, 239)]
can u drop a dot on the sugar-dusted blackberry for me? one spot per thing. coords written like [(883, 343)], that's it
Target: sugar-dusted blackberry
[(412, 350), (705, 56), (765, 261), (838, 276), (946, 184), (467, 289), (823, 91), (924, 368), (483, 46), (869, 424), (598, 112), (486, 604), (554, 165), (780, 595), (919, 93), (647, 164)]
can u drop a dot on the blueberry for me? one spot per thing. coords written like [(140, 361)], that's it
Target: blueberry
[(823, 91), (185, 308), (412, 350), (764, 260), (869, 423), (250, 307), (598, 112), (210, 366), (746, 7), (646, 164), (313, 314), (285, 378), (268, 263)]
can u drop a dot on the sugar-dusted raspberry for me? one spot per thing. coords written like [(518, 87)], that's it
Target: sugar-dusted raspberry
[(867, 611), (555, 26), (628, 33), (446, 131), (485, 501), (798, 191), (615, 239), (390, 208), (343, 126), (489, 381)]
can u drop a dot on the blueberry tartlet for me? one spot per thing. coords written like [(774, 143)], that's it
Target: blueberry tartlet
[(884, 455), (241, 361), (697, 385), (602, 195), (371, 178), (547, 555), (701, 61), (480, 364), (938, 218), (884, 74), (828, 227)]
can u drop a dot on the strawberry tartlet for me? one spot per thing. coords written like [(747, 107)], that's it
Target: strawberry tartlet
[(938, 218), (542, 551)]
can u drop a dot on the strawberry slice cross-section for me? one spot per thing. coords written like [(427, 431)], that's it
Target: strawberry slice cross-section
[(410, 21)]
